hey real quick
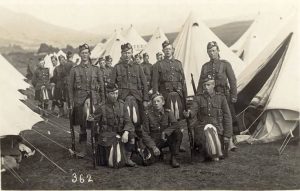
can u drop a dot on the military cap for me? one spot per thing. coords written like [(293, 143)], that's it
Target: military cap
[(165, 44), (212, 44), (83, 47), (53, 57), (125, 47), (159, 53), (207, 78), (110, 87), (145, 54), (155, 95), (138, 56), (69, 54), (101, 59), (108, 57)]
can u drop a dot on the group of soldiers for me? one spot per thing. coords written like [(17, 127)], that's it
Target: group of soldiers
[(142, 103)]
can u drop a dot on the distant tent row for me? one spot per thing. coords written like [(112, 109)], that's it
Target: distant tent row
[(112, 46)]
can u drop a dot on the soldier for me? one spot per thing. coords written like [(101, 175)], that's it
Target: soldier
[(161, 130), (223, 73), (138, 59), (108, 65), (169, 80), (159, 56), (147, 67), (59, 75), (84, 79), (214, 127), (113, 117), (40, 82), (131, 82)]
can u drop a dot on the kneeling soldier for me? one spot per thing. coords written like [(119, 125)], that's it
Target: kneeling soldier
[(214, 127), (161, 130), (113, 117)]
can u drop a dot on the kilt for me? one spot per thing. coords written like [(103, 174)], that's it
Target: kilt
[(39, 96)]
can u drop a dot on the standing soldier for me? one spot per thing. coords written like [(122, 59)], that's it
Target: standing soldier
[(214, 127), (169, 80), (147, 68), (40, 82), (223, 73), (159, 56), (161, 130), (58, 78), (84, 79), (108, 65), (132, 85)]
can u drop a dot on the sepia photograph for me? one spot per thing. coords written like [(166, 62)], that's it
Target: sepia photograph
[(149, 95)]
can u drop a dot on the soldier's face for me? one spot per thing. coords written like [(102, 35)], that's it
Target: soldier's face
[(213, 53), (102, 64), (158, 103), (146, 58), (113, 96), (138, 60), (127, 55), (85, 55), (209, 86), (168, 51), (54, 62), (159, 57), (42, 63), (62, 60), (108, 62)]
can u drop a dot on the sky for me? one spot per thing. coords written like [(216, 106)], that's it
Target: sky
[(90, 14)]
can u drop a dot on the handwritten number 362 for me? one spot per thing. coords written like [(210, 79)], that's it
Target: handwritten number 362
[(81, 178)]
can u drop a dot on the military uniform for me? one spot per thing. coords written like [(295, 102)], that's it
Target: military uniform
[(223, 73), (58, 78), (147, 68), (168, 79), (158, 122), (107, 71), (83, 79), (130, 80), (211, 109), (40, 78)]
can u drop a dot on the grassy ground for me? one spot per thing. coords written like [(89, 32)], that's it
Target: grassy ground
[(251, 167)]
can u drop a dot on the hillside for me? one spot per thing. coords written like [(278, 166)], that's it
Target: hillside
[(28, 32)]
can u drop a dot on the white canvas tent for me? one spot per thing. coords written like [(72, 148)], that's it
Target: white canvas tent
[(96, 52), (190, 49), (133, 37), (15, 116), (113, 47), (259, 34), (155, 44), (272, 81)]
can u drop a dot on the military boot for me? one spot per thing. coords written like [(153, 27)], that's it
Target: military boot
[(83, 145), (174, 162), (129, 162)]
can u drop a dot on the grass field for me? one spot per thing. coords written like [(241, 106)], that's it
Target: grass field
[(251, 167)]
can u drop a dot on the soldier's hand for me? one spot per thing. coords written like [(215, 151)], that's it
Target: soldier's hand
[(233, 100), (52, 84), (91, 118), (187, 113), (125, 137), (226, 140), (156, 151), (150, 91), (145, 103), (163, 136)]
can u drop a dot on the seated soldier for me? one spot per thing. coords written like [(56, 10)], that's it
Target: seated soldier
[(161, 130), (112, 117), (214, 127)]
